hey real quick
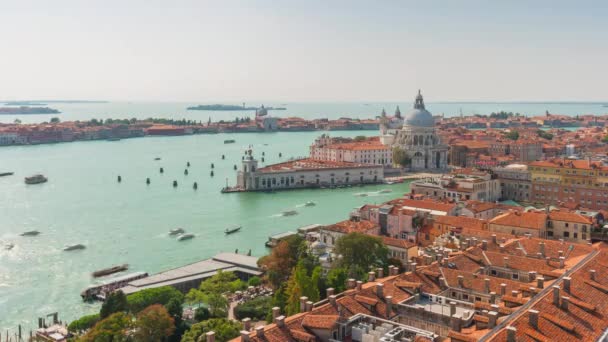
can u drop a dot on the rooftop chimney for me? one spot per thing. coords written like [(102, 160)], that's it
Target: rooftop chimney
[(380, 290), (540, 282), (389, 306), (303, 301), (359, 285), (506, 260), (492, 316), (332, 300), (492, 297), (244, 336), (281, 321), (210, 336), (309, 305), (461, 282), (560, 253), (380, 271), (329, 291), (592, 274), (502, 248), (503, 289), (541, 248), (371, 276), (494, 238), (350, 284), (511, 333), (561, 262), (565, 301), (259, 331), (555, 295), (484, 245), (452, 308), (487, 285), (246, 323), (567, 284), (533, 318), (276, 311), (531, 275)]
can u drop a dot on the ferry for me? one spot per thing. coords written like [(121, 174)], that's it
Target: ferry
[(6, 174), (35, 179), (74, 247), (30, 233), (185, 237), (110, 270), (229, 141), (231, 230)]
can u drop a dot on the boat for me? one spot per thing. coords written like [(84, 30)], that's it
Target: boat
[(385, 191), (9, 246), (389, 182), (289, 213), (187, 236), (157, 158), (6, 174), (30, 233), (35, 179), (176, 231), (113, 139), (229, 141), (74, 247), (362, 194), (310, 204), (110, 270), (231, 230)]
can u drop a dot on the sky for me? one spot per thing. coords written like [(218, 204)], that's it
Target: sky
[(303, 51)]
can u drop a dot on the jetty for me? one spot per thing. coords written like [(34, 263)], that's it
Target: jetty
[(274, 240), (190, 276), (101, 290)]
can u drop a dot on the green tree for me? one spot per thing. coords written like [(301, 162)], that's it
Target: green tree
[(111, 329), (301, 284), (17, 122), (160, 295), (153, 324), (360, 138), (254, 281), (513, 135), (401, 157), (224, 329), (212, 290), (84, 323), (336, 278), (55, 120), (350, 248), (202, 314), (283, 257), (279, 299), (256, 308), (116, 302)]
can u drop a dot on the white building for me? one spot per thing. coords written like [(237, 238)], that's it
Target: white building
[(12, 138), (420, 140), (305, 173)]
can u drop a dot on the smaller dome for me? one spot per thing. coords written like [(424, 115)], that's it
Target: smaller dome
[(318, 245)]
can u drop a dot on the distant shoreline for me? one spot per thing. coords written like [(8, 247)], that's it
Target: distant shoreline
[(25, 110), (221, 107)]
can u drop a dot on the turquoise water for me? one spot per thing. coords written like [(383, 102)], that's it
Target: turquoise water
[(128, 222), (177, 110)]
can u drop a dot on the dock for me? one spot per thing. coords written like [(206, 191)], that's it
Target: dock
[(274, 240), (190, 276), (100, 291)]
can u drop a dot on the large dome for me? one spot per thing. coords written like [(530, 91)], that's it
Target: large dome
[(419, 117)]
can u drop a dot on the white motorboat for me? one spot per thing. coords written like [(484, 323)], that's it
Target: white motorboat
[(310, 204), (183, 237), (176, 231), (74, 247), (289, 213), (30, 233)]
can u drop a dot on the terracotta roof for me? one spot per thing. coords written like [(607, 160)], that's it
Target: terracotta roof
[(399, 243), (320, 321), (427, 204), (530, 220), (311, 164), (568, 216), (461, 221), (349, 226)]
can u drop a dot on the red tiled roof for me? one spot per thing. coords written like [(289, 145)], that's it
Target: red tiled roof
[(349, 226), (320, 321), (530, 220)]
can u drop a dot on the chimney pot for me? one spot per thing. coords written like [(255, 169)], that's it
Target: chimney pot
[(259, 331), (493, 316), (503, 289), (359, 285), (244, 335), (371, 276), (541, 248), (565, 301), (506, 260), (531, 275), (484, 245), (389, 306), (487, 285), (592, 274), (511, 333), (351, 283), (555, 295), (533, 318), (494, 238), (561, 262), (332, 300), (452, 308), (303, 301), (276, 311), (540, 282), (329, 291), (309, 305), (210, 336), (567, 284), (461, 281), (380, 272), (380, 290), (246, 323), (281, 321), (492, 297)]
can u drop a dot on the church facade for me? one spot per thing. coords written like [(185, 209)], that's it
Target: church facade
[(418, 138)]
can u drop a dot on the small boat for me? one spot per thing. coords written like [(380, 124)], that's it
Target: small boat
[(176, 231), (74, 247), (9, 246), (113, 139), (385, 191), (35, 179), (310, 204), (231, 230), (110, 270), (362, 194), (229, 141), (157, 158), (389, 182), (30, 233), (6, 174), (187, 236), (289, 213)]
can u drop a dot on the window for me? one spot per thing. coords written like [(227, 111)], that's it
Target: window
[(465, 297), (566, 234), (515, 276), (493, 272)]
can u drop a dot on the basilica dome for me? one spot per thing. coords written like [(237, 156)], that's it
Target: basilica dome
[(419, 117)]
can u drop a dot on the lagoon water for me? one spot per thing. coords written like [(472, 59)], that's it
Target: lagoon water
[(128, 222)]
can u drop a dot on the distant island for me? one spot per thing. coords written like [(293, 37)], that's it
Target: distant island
[(230, 107), (24, 103), (44, 102), (24, 110)]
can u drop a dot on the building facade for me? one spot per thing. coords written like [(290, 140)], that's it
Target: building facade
[(515, 183), (368, 151)]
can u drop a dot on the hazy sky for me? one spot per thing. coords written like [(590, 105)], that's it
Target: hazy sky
[(307, 50)]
